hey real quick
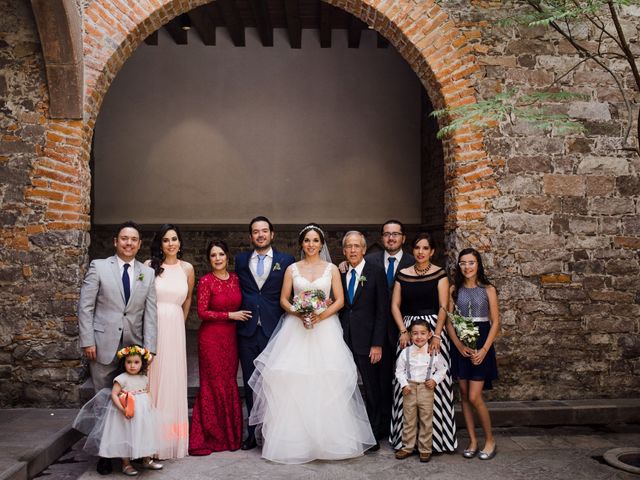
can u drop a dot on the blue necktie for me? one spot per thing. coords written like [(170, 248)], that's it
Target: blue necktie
[(260, 269), (392, 260), (126, 286), (351, 290)]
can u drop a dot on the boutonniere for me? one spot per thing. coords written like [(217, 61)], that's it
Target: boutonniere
[(277, 267), (362, 280), (141, 277)]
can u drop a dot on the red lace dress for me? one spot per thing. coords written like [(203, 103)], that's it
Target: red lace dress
[(217, 414)]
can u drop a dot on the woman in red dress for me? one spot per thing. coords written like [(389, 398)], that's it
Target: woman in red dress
[(217, 414)]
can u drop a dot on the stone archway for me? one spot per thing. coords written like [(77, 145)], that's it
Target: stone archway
[(440, 54)]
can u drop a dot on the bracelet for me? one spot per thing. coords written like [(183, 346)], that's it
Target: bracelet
[(403, 332), (438, 337)]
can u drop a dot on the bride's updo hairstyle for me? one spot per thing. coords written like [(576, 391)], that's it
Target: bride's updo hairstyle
[(307, 229)]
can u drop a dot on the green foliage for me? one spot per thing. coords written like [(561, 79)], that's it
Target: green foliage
[(550, 11), (511, 106)]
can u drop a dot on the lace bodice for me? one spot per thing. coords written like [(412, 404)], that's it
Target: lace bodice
[(300, 283)]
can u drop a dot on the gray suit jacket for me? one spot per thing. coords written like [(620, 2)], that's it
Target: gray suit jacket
[(103, 316)]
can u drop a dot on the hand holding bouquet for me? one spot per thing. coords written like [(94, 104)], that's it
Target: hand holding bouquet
[(308, 303), (466, 330)]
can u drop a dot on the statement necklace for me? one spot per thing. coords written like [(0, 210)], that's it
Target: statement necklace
[(422, 271)]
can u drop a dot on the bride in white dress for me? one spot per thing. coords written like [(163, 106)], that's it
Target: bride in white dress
[(305, 384)]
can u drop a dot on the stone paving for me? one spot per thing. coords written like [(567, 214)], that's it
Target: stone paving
[(557, 453)]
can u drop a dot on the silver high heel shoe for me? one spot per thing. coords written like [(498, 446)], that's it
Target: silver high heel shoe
[(488, 456)]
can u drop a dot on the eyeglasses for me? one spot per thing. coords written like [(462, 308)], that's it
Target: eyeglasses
[(467, 264), (392, 234)]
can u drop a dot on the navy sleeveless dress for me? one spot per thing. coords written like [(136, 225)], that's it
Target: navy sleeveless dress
[(473, 302)]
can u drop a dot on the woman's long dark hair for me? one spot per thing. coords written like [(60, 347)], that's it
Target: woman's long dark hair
[(458, 278), (157, 257)]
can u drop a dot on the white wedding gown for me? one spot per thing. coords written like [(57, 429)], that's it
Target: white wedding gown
[(306, 392)]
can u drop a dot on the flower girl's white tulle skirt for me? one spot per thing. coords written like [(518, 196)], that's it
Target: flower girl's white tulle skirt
[(111, 435), (306, 395)]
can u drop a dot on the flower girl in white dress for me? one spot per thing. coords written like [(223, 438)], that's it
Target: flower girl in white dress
[(121, 422), (305, 382)]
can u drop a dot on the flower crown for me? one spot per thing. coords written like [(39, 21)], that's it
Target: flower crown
[(134, 350)]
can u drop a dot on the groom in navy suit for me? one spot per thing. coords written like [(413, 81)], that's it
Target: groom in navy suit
[(261, 273)]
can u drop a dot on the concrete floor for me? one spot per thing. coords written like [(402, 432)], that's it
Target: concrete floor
[(561, 453)]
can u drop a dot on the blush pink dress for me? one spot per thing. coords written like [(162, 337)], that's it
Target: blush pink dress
[(168, 372)]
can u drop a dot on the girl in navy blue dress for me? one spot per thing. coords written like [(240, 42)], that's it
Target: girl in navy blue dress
[(475, 369)]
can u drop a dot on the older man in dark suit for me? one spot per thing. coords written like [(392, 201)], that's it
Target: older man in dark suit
[(364, 320)]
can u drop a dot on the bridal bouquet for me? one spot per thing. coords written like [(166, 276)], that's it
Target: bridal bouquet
[(466, 330), (308, 302)]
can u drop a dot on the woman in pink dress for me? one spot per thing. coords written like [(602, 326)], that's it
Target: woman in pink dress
[(217, 414), (168, 372)]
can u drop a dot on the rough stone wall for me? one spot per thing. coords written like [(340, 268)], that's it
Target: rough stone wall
[(557, 217), (39, 361), (566, 249)]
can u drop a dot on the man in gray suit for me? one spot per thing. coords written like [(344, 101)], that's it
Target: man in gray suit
[(117, 308)]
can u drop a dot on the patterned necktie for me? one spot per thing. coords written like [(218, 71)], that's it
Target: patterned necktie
[(126, 286), (351, 290), (392, 261), (260, 269)]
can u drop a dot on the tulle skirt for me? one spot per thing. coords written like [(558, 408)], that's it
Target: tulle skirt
[(306, 395), (111, 435)]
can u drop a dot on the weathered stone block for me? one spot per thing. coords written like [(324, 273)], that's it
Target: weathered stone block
[(564, 185), (622, 267), (612, 206), (526, 223), (530, 269), (600, 186), (631, 225), (521, 185), (589, 111), (540, 204), (537, 163), (611, 296), (628, 185), (564, 294), (587, 267), (584, 225), (596, 164)]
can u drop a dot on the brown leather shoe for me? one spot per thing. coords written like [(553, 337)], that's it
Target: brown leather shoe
[(402, 454), (425, 457)]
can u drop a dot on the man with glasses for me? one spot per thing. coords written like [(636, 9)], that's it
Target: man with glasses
[(392, 260)]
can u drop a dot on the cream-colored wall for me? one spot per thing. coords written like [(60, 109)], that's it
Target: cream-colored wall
[(196, 134)]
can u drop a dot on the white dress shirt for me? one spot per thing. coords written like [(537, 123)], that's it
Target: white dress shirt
[(418, 366), (397, 256), (121, 263), (358, 268), (253, 266)]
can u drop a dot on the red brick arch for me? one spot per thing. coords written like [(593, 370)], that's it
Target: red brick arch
[(422, 32)]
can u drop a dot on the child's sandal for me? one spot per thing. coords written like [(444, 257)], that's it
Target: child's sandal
[(129, 470), (152, 464)]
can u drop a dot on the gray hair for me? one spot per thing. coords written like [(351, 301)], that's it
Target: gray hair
[(363, 240)]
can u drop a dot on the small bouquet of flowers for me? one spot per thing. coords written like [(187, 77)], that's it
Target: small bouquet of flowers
[(308, 302), (466, 330)]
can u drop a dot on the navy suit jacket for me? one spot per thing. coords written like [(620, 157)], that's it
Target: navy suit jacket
[(264, 303), (377, 258), (364, 322)]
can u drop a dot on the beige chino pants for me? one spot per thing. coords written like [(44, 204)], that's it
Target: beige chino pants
[(418, 403)]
